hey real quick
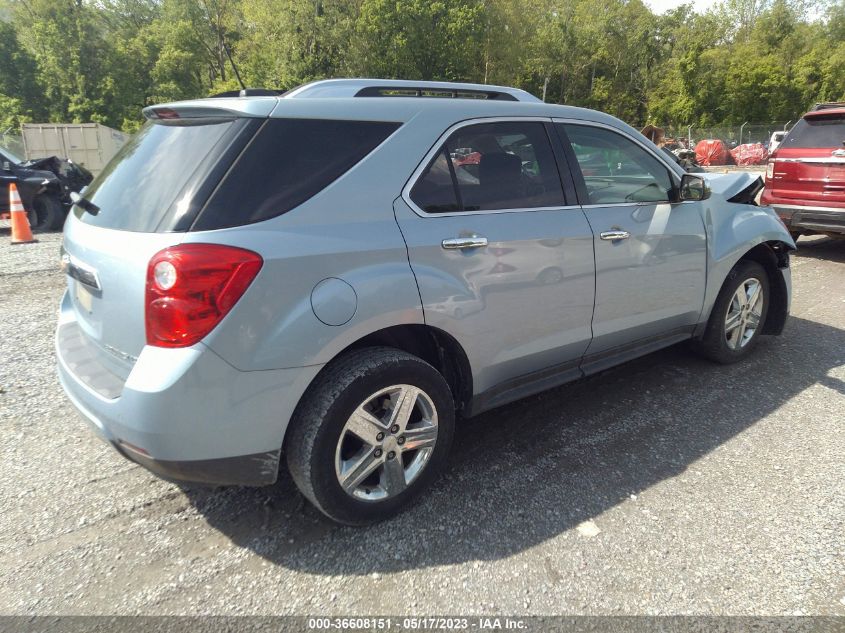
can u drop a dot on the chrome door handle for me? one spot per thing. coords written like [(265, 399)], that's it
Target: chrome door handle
[(474, 241), (614, 235), (839, 153)]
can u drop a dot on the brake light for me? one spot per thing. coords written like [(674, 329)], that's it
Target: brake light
[(191, 287), (770, 170), (166, 113)]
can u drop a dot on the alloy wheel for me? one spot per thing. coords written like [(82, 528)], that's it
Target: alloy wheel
[(386, 443), (744, 313)]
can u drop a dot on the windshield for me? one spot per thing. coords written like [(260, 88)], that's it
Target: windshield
[(10, 155)]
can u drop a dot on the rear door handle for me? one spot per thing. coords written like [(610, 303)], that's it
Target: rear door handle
[(839, 153), (474, 241), (610, 236)]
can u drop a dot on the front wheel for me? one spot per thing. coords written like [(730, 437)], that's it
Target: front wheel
[(370, 435), (739, 314), (46, 213)]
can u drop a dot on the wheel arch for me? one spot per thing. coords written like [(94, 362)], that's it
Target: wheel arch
[(436, 347), (773, 255)]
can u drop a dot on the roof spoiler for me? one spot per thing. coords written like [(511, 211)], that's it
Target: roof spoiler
[(248, 92), (831, 105), (826, 113), (218, 108)]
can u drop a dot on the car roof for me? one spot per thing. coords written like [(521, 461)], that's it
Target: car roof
[(398, 99), (340, 99), (399, 109)]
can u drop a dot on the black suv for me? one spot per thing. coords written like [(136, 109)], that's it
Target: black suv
[(45, 185)]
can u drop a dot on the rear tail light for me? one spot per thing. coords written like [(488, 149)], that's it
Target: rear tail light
[(770, 170), (191, 287)]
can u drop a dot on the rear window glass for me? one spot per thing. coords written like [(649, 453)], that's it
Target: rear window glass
[(156, 173), (817, 132), (288, 162)]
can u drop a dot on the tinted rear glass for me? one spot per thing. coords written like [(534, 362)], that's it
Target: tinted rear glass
[(158, 173), (817, 132), (288, 162)]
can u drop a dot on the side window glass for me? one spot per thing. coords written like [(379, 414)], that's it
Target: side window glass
[(492, 166), (615, 169), (288, 162), (435, 191)]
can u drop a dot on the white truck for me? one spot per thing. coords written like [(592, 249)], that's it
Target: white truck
[(88, 144)]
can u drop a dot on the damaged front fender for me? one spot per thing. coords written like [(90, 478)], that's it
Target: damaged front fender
[(737, 187), (737, 228)]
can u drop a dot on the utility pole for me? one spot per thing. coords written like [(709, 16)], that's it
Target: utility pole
[(545, 86)]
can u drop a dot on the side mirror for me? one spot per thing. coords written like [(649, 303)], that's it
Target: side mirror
[(693, 188)]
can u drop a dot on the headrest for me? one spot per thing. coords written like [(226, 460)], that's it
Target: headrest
[(498, 168)]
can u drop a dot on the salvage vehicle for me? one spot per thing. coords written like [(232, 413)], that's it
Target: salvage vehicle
[(45, 186), (805, 176), (775, 140), (306, 278)]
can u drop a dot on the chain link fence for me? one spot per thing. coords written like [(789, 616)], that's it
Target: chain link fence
[(731, 136)]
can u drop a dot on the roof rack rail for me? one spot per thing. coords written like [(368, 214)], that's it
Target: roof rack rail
[(411, 91), (344, 88)]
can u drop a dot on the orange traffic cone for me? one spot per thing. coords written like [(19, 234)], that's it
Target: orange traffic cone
[(21, 233)]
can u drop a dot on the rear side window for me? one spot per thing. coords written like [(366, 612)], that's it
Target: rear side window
[(436, 192), (491, 166), (820, 131), (157, 174), (288, 162)]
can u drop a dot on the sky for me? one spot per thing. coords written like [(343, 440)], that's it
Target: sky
[(661, 6)]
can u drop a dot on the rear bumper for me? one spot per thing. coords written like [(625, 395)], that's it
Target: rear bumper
[(259, 469), (811, 217), (186, 414)]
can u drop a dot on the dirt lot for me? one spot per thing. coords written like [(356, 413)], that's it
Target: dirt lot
[(668, 485)]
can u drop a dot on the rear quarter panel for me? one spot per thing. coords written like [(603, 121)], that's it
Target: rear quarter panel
[(348, 232)]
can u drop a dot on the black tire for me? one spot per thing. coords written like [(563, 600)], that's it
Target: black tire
[(318, 422), (46, 213), (714, 343)]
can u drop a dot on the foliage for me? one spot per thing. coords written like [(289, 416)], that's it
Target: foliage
[(104, 60)]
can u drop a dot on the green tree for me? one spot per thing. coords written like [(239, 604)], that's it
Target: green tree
[(289, 42), (420, 39), (20, 93)]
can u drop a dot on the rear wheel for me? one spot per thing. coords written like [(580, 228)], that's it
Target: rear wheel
[(46, 213), (370, 435), (739, 314)]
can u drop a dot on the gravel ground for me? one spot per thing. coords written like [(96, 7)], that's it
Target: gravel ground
[(666, 486)]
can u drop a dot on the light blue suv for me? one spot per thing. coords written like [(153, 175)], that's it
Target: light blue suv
[(331, 274)]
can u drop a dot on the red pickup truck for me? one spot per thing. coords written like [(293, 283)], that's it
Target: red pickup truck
[(805, 176)]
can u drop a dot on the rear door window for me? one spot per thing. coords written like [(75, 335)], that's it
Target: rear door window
[(157, 175), (819, 131), (491, 166), (288, 162)]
